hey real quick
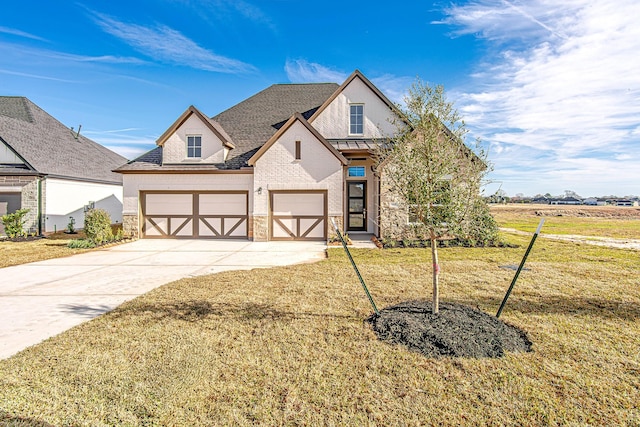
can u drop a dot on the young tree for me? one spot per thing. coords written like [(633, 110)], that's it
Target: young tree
[(433, 171)]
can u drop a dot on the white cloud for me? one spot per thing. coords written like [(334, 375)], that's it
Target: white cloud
[(302, 71), (19, 33), (165, 44), (564, 88), (35, 76)]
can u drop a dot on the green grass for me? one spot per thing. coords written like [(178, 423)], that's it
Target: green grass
[(288, 346)]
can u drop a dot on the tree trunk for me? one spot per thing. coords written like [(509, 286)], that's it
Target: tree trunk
[(436, 273)]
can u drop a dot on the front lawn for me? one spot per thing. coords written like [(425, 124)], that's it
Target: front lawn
[(54, 246), (289, 346)]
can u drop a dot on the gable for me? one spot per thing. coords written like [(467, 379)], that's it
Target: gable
[(8, 156), (293, 130), (332, 119), (213, 147)]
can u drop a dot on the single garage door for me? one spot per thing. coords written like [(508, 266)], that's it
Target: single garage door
[(298, 215), (203, 214)]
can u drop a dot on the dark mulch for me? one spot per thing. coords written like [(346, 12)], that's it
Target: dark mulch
[(457, 330)]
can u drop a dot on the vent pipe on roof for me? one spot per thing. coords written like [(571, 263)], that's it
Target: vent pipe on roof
[(76, 134)]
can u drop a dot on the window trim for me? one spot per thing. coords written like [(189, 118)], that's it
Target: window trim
[(361, 115), (195, 147)]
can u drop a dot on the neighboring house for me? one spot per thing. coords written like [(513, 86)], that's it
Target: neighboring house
[(626, 202), (51, 170), (279, 165)]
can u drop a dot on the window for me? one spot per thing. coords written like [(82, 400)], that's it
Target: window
[(298, 150), (194, 146), (356, 119), (356, 171)]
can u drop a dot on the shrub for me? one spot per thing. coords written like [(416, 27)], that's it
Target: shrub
[(97, 226), (14, 223), (81, 244)]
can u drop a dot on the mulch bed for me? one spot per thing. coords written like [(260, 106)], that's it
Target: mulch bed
[(456, 331)]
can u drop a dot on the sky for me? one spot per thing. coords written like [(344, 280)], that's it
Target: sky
[(552, 89)]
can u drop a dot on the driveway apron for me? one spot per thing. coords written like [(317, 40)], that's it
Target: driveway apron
[(42, 299)]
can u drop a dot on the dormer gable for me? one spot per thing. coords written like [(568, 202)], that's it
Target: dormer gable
[(290, 126), (357, 109), (195, 139)]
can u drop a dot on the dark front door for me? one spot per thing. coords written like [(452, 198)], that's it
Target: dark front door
[(357, 202)]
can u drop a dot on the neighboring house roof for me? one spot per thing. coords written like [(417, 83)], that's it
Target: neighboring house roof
[(283, 129), (50, 148)]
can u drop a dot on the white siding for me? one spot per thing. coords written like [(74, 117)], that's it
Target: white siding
[(318, 169), (64, 199), (333, 122), (175, 147)]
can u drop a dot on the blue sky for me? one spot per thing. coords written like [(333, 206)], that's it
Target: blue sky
[(551, 88)]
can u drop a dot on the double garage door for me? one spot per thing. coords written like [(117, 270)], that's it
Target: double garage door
[(294, 215), (213, 215)]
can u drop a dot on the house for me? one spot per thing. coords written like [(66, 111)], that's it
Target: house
[(279, 165), (626, 202), (566, 201), (51, 170)]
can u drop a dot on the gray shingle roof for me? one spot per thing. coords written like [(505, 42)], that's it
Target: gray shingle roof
[(253, 121), (50, 147), (250, 124)]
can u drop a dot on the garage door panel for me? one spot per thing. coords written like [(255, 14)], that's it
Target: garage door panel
[(298, 215), (197, 214), (223, 204), (169, 204), (300, 203), (182, 227), (283, 228), (155, 226), (312, 227)]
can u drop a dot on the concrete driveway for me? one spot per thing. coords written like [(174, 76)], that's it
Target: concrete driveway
[(42, 299)]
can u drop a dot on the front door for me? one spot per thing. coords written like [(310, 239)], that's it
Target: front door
[(357, 202)]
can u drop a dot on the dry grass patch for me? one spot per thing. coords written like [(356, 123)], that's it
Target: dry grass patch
[(54, 246), (289, 346), (607, 221)]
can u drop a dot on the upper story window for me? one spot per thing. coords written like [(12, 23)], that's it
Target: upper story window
[(194, 146), (356, 119)]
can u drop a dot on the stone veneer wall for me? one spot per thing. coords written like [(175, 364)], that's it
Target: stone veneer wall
[(393, 215), (130, 226), (29, 198), (331, 232), (260, 228)]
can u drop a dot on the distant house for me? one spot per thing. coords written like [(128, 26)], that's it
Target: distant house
[(51, 170), (590, 201), (626, 202), (540, 200), (566, 201)]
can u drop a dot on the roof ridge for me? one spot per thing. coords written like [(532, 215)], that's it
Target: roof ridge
[(25, 109)]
